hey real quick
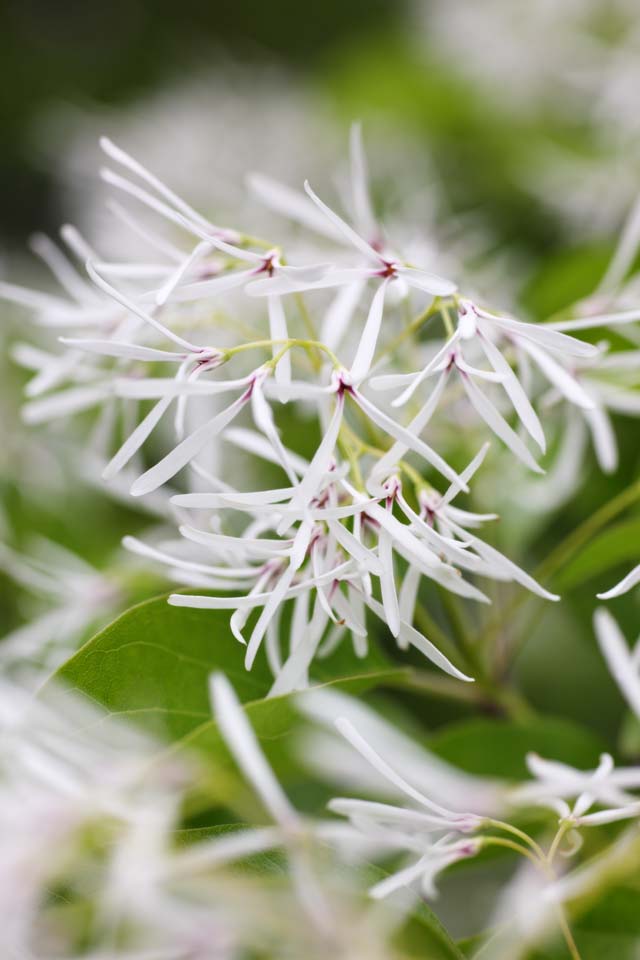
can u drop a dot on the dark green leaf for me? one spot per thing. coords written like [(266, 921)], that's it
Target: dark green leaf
[(152, 664), (498, 748), (614, 546)]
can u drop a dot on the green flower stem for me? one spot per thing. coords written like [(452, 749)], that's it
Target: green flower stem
[(289, 343), (491, 841)]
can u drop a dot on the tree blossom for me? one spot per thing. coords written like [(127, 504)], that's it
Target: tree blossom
[(406, 829), (556, 782)]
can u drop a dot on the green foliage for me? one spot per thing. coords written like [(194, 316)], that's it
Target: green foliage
[(615, 546), (498, 748), (152, 666)]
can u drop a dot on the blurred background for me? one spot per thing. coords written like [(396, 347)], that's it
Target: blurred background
[(512, 129)]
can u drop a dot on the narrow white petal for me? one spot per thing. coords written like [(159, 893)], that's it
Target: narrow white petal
[(156, 387), (347, 231), (515, 391), (189, 448), (565, 382), (65, 274), (205, 289), (250, 546), (604, 438), (466, 475), (409, 635), (501, 563), (349, 732), (362, 209), (387, 582), (278, 331), (151, 553), (609, 816), (243, 744), (34, 299), (627, 583), (298, 552), (427, 282), (624, 254), (176, 275), (308, 486), (617, 654), (426, 371), (355, 548), (342, 571), (62, 404), (498, 424), (544, 336), (126, 302), (408, 438), (119, 155), (314, 278), (214, 501), (263, 419), (133, 443), (117, 348), (152, 202), (601, 320), (399, 879), (369, 338), (161, 244), (409, 594), (296, 667), (236, 845), (387, 464)]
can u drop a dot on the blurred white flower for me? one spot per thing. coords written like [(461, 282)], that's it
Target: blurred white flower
[(555, 783), (77, 596), (406, 829)]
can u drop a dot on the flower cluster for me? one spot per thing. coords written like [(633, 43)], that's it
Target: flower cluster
[(218, 337)]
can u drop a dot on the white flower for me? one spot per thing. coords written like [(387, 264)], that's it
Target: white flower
[(428, 831), (382, 265), (78, 596), (557, 782), (447, 529), (328, 756), (479, 329), (317, 562)]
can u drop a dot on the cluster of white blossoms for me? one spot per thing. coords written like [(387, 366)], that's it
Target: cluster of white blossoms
[(219, 337), (434, 816)]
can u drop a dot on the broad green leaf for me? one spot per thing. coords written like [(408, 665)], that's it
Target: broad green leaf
[(614, 546), (152, 664), (498, 748)]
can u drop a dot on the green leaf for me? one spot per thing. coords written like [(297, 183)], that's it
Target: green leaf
[(498, 748), (152, 665), (616, 545)]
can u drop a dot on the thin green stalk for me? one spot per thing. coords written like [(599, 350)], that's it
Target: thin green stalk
[(511, 845)]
